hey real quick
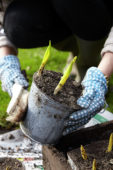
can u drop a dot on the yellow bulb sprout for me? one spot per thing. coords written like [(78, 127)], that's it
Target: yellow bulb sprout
[(65, 76), (110, 145), (8, 168), (94, 165), (83, 152), (45, 59)]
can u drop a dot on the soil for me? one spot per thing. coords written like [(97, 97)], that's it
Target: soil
[(95, 150), (54, 160), (69, 93), (85, 136), (3, 130), (95, 141), (10, 164)]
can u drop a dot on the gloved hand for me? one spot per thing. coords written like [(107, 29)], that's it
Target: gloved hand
[(18, 104), (10, 74), (92, 100)]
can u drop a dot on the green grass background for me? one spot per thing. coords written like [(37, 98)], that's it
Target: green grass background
[(30, 60)]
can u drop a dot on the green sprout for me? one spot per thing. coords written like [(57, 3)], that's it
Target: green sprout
[(45, 59), (110, 145), (83, 152), (8, 168), (65, 76), (94, 165)]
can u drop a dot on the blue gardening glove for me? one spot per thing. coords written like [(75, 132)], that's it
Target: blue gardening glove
[(10, 73), (92, 100), (14, 83)]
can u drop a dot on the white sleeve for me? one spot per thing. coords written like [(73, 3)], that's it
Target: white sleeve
[(4, 41), (108, 46)]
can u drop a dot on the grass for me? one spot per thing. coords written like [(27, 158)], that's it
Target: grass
[(30, 60)]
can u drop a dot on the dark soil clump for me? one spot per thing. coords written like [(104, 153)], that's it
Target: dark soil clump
[(10, 164), (69, 93)]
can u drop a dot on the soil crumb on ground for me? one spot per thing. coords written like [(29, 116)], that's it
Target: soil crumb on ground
[(69, 93), (10, 164)]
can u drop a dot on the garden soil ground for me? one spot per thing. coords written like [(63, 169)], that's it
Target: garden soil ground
[(95, 150), (10, 164), (95, 140)]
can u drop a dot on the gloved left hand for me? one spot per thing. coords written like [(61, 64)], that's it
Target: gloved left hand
[(92, 100)]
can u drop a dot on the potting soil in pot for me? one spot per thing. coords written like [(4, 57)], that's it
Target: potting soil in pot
[(69, 93)]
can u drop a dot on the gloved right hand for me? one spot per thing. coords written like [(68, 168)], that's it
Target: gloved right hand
[(14, 83), (10, 73), (18, 104)]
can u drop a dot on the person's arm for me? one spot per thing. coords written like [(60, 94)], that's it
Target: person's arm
[(95, 88), (10, 71), (106, 64), (6, 50), (12, 80)]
